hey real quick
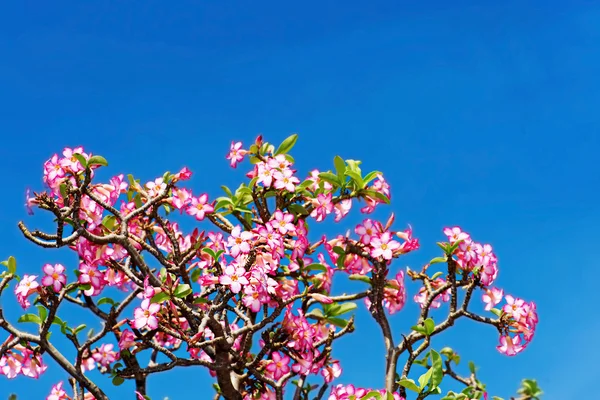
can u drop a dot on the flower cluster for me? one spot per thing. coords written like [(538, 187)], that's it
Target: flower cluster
[(473, 256), (523, 320), (350, 392), (21, 360), (190, 295)]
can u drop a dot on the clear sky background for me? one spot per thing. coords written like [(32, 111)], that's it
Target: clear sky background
[(483, 115)]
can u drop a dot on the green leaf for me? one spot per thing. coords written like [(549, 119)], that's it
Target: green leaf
[(438, 260), (340, 167), (287, 144), (454, 246), (227, 190), (304, 184), (12, 265), (373, 394), (79, 329), (316, 267), (298, 209), (360, 184), (410, 385), (109, 222), (339, 250), (182, 291), (429, 326), (57, 321), (195, 274), (339, 322), (375, 194), (425, 378), (370, 176), (472, 367), (30, 318), (63, 190), (210, 252), (200, 300), (106, 300), (344, 308), (81, 159), (159, 297), (97, 160), (420, 329), (117, 380), (315, 313), (85, 286), (444, 246), (353, 165), (438, 372), (42, 312), (340, 261), (497, 312), (222, 202), (331, 178), (362, 278)]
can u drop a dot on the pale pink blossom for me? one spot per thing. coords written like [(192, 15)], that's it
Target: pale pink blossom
[(236, 154), (55, 276), (57, 392), (145, 316), (234, 278), (384, 246), (492, 297), (199, 207), (285, 180)]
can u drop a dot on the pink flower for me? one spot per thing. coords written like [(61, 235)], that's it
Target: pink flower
[(181, 198), (492, 297), (279, 365), (331, 372), (55, 276), (234, 278), (322, 206), (510, 346), (184, 175), (70, 161), (252, 298), (455, 234), (514, 307), (57, 392), (265, 174), (283, 222), (384, 246), (366, 231), (146, 315), (53, 171), (239, 241), (126, 340), (90, 274), (280, 162), (27, 286), (236, 153), (199, 208), (33, 366), (157, 187), (314, 176), (105, 355), (10, 366), (342, 209), (285, 180)]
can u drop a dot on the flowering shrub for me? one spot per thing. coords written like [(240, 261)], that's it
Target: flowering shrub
[(251, 299)]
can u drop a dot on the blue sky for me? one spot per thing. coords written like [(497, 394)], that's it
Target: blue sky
[(482, 115)]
